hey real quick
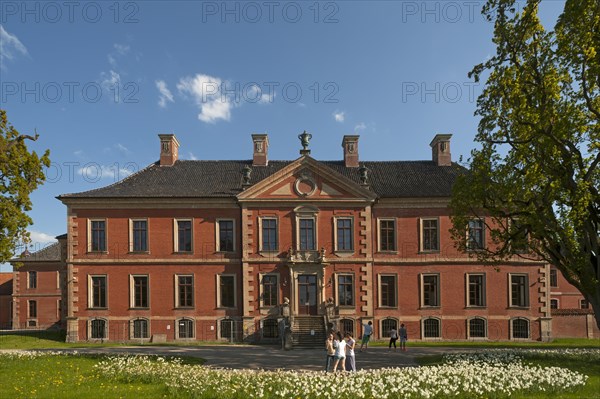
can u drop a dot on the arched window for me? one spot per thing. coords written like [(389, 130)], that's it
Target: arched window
[(227, 329), (431, 328), (520, 328), (387, 325), (347, 326), (98, 329), (140, 328), (477, 328), (185, 328), (270, 328)]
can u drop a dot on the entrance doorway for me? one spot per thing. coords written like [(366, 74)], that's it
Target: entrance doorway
[(307, 294)]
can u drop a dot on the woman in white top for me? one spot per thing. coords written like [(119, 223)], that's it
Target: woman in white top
[(340, 352)]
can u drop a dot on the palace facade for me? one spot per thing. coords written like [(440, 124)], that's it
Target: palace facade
[(222, 250)]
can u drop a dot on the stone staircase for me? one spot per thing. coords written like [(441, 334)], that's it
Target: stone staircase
[(308, 332)]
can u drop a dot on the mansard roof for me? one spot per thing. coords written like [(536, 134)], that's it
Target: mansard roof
[(224, 179)]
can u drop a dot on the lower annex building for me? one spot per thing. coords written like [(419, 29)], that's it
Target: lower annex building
[(218, 250)]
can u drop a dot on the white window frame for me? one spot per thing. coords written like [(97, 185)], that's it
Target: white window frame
[(177, 328), (89, 235), (176, 290), (307, 212), (512, 332), (422, 290), (261, 289), (89, 329), (235, 299), (131, 248), (379, 296), (218, 234), (422, 235), (395, 250), (468, 290), (176, 235), (260, 234), (335, 234), (439, 337), (485, 321), (132, 291), (91, 291), (132, 328), (337, 289), (483, 233), (510, 297)]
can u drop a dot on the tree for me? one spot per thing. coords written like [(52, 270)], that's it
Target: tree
[(535, 173), (21, 171)]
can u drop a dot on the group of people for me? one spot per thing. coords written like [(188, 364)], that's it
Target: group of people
[(340, 350)]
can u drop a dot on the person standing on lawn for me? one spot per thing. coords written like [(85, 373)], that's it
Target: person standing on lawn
[(403, 337), (340, 352), (367, 332), (330, 351), (350, 359)]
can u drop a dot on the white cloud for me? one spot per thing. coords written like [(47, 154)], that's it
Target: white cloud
[(93, 172), (360, 126), (256, 94), (39, 237), (165, 93), (193, 157), (206, 91), (9, 45), (123, 149), (339, 116), (122, 49)]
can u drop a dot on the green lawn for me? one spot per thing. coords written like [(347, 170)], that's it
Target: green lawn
[(557, 343)]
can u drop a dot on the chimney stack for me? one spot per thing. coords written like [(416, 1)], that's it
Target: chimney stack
[(261, 146), (350, 145), (169, 149), (440, 150)]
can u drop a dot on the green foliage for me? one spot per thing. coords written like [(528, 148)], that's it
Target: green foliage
[(535, 177), (21, 171)]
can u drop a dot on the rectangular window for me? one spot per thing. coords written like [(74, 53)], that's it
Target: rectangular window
[(344, 234), (387, 290), (429, 235), (270, 290), (33, 309), (519, 240), (475, 235), (387, 235), (227, 291), (476, 290), (185, 291), (553, 303), (184, 236), (307, 234), (97, 291), (269, 235), (553, 278), (140, 290), (226, 237), (430, 286), (584, 304), (32, 279), (519, 290), (140, 328), (98, 235), (139, 235), (345, 286)]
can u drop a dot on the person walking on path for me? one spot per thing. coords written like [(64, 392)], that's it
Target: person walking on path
[(330, 351), (367, 332), (393, 339), (350, 359), (340, 352), (403, 337)]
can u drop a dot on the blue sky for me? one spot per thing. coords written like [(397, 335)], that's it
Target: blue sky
[(99, 80)]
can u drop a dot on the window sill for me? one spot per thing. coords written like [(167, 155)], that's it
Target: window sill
[(344, 253), (185, 307), (392, 252), (226, 307), (106, 308), (138, 252), (519, 307), (97, 252), (269, 254), (183, 253), (475, 307), (429, 252), (425, 307), (140, 308), (388, 307)]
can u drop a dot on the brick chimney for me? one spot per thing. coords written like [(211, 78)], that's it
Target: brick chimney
[(440, 150), (169, 149), (350, 145), (261, 146)]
